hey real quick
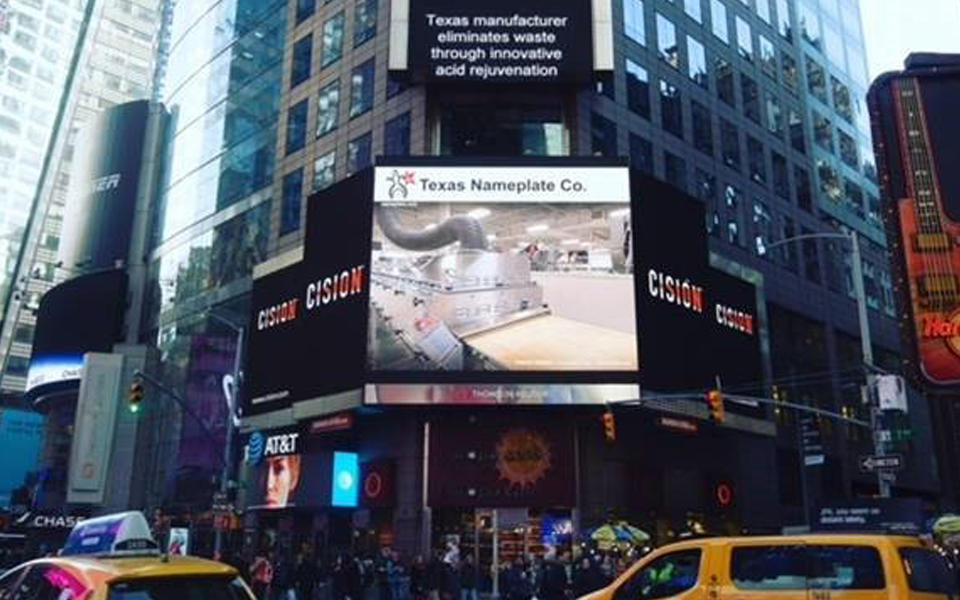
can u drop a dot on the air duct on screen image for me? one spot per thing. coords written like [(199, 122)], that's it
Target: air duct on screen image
[(459, 228)]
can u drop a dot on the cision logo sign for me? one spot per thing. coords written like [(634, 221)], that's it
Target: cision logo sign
[(501, 41)]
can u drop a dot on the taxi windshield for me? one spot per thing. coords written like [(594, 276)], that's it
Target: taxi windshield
[(180, 588)]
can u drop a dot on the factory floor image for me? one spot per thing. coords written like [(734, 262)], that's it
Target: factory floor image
[(502, 286)]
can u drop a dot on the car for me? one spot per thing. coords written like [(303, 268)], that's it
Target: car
[(114, 558), (794, 567)]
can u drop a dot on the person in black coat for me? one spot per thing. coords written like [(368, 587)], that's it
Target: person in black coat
[(518, 585), (468, 579), (586, 578), (419, 585), (553, 580)]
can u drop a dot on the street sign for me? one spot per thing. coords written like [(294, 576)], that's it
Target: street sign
[(885, 462)]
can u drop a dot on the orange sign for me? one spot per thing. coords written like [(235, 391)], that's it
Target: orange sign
[(523, 457)]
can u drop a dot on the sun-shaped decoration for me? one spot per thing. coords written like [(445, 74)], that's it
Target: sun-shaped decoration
[(523, 457)]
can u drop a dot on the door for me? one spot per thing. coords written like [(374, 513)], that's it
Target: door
[(676, 575), (765, 571)]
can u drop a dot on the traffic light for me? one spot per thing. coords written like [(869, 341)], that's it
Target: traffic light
[(136, 395), (715, 406), (609, 426)]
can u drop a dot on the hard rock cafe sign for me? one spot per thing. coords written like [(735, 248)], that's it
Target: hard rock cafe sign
[(523, 457)]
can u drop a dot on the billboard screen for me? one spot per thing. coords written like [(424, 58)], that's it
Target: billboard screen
[(915, 135), (500, 41), (83, 314), (493, 269), (313, 314)]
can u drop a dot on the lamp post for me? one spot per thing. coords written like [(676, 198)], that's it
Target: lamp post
[(232, 420), (865, 345)]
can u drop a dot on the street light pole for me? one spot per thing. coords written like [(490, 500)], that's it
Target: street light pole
[(866, 345)]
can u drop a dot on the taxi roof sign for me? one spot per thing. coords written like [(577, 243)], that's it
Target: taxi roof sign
[(119, 534)]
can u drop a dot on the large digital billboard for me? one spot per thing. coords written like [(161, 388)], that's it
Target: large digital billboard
[(916, 137), (500, 41), (517, 277)]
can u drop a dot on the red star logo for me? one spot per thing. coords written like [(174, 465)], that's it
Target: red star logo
[(409, 178)]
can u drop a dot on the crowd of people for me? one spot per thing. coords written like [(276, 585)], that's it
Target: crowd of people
[(446, 575)]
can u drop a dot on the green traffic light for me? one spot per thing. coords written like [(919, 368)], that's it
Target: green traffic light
[(134, 408)]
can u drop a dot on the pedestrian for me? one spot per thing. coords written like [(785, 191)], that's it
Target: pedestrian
[(517, 582), (435, 576), (261, 572), (468, 579), (383, 568), (586, 578), (419, 585), (340, 577), (305, 576), (553, 578)]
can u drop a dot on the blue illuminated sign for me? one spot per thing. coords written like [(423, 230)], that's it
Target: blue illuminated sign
[(346, 479)]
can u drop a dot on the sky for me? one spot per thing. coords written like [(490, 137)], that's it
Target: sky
[(894, 28)]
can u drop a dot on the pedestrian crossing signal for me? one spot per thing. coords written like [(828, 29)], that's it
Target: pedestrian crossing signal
[(136, 396), (715, 406), (609, 427)]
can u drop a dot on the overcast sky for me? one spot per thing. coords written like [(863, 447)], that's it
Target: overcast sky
[(894, 28)]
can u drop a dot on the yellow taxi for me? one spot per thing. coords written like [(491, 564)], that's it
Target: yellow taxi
[(803, 567), (115, 558)]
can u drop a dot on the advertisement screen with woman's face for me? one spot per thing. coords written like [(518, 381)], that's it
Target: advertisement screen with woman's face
[(283, 479)]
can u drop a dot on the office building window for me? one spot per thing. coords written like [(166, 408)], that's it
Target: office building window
[(365, 21), (874, 217), (395, 85), (733, 199), (633, 23), (763, 10), (809, 23), (811, 256), (396, 136), (783, 20), (833, 45), (667, 48), (359, 153), (788, 68), (290, 203), (671, 109), (730, 144), (705, 187), (603, 136), (332, 40), (841, 99), (822, 131), (762, 228), (297, 126), (867, 162), (774, 115), (848, 149), (751, 98), (756, 161), (675, 170), (718, 20), (693, 10), (361, 89), (328, 108), (829, 181), (744, 39), (768, 57), (702, 128), (795, 122), (781, 177), (641, 153), (300, 70), (697, 62), (816, 80), (853, 198), (305, 10), (638, 89), (323, 170), (725, 84), (801, 183)]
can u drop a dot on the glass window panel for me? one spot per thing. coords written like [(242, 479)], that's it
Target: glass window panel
[(744, 39), (768, 57), (603, 136), (702, 128), (801, 182), (328, 108), (830, 185), (361, 89), (718, 20), (848, 149), (725, 84), (305, 10), (810, 24), (675, 170), (396, 136), (633, 24), (751, 98), (667, 48), (638, 89), (291, 201), (359, 153), (797, 139), (641, 153), (693, 10), (822, 131), (834, 46), (730, 144), (763, 10), (332, 40), (837, 567), (300, 71), (816, 80), (774, 115), (297, 126), (853, 198), (762, 228), (783, 21), (365, 21), (788, 68), (671, 109), (781, 177), (756, 160), (324, 173), (697, 62), (841, 99)]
